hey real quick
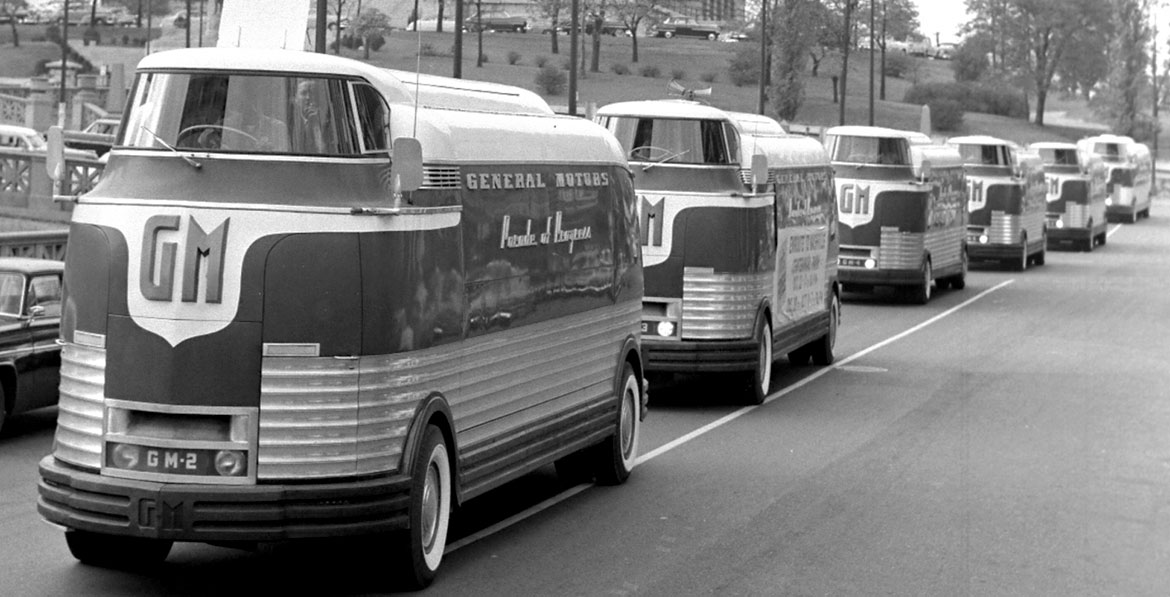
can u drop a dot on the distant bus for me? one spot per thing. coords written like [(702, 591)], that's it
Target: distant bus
[(1005, 202), (1129, 171), (739, 238), (1076, 195), (903, 212)]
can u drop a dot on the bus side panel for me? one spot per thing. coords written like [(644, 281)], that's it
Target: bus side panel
[(806, 256)]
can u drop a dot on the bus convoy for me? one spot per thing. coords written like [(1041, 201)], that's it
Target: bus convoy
[(1005, 202), (314, 298), (739, 240)]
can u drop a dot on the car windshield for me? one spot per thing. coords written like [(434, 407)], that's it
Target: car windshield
[(11, 293), (870, 150), (675, 140), (986, 155), (233, 112), (1061, 156)]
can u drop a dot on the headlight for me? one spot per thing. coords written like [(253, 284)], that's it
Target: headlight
[(870, 263), (126, 456), (983, 239), (1060, 224), (1109, 201), (230, 463), (665, 329)]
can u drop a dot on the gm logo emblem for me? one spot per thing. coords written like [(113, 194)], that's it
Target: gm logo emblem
[(652, 219), (202, 253)]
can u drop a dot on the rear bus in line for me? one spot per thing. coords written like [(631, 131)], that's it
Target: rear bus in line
[(738, 240), (1006, 206), (902, 208), (1129, 175), (311, 298), (1076, 196)]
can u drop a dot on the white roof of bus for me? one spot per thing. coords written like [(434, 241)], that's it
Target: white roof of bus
[(853, 130), (399, 86), (978, 140), (756, 124), (786, 151), (672, 108)]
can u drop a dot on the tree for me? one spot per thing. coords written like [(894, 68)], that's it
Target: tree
[(1032, 36), (898, 21), (1127, 79), (9, 8), (553, 11), (632, 13), (846, 8), (793, 29), (369, 24)]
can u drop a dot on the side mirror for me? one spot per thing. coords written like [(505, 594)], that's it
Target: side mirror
[(406, 167), (55, 155), (759, 169)]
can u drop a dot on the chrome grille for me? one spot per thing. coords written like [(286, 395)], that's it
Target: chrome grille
[(80, 406), (900, 250), (441, 177), (1004, 229), (721, 306), (945, 246), (1076, 215)]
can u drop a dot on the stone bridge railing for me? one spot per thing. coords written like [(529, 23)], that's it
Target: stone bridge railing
[(26, 191)]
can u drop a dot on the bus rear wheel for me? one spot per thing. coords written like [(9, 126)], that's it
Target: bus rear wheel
[(430, 510), (822, 350), (760, 377), (111, 551), (615, 457)]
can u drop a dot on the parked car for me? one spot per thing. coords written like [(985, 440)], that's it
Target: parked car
[(22, 138), (30, 314), (686, 27), (97, 137), (495, 21), (945, 51), (608, 27)]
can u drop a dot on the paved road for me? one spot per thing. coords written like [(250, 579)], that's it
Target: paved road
[(1007, 439)]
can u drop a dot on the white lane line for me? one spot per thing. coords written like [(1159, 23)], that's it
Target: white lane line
[(568, 493), (1115, 229), (813, 377)]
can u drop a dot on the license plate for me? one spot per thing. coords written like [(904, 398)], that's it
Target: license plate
[(170, 461)]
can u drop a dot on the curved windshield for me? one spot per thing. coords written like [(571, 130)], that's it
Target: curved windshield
[(675, 140), (889, 151), (1060, 156), (985, 155), (234, 112)]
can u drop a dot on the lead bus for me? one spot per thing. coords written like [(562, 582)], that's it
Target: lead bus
[(279, 325), (1129, 171), (738, 237), (1006, 207), (902, 210), (1076, 195)]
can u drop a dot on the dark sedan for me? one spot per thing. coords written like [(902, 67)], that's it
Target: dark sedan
[(30, 313)]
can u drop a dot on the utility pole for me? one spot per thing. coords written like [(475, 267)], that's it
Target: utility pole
[(573, 25), (189, 22), (1154, 171), (458, 67), (64, 61), (763, 55), (872, 48), (322, 18)]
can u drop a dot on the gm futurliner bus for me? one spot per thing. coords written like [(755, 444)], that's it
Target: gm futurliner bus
[(1005, 202), (279, 325), (739, 237), (1076, 195), (903, 210), (1129, 171)]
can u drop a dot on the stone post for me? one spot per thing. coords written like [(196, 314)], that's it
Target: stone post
[(116, 95)]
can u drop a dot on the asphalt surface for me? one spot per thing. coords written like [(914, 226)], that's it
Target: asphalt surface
[(1006, 439)]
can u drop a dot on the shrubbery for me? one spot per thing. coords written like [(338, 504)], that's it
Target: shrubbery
[(650, 71), (551, 80), (620, 69), (898, 64), (744, 68), (945, 115), (513, 57), (540, 61), (678, 74), (708, 77), (987, 97)]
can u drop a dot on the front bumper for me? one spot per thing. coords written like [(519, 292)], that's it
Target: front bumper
[(1059, 236), (82, 500), (880, 277), (701, 357), (980, 251)]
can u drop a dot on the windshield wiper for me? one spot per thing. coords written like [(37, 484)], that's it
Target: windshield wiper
[(186, 158), (665, 159)]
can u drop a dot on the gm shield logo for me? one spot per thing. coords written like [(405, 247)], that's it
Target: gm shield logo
[(855, 204), (203, 256)]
